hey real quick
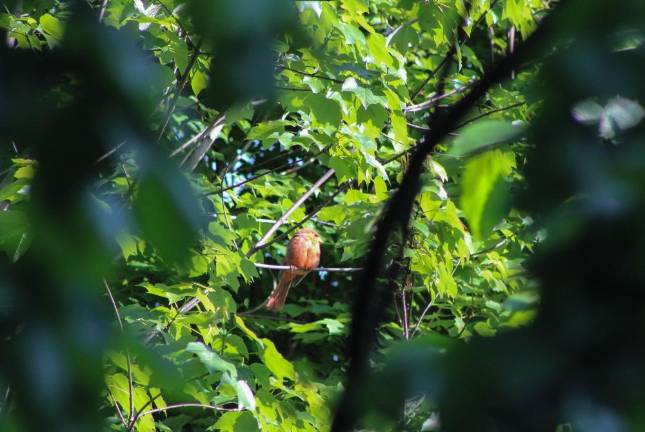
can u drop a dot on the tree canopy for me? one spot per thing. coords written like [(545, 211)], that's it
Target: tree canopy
[(474, 170)]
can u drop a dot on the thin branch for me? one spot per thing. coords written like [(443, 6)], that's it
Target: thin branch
[(433, 100), (487, 113), (206, 144), (127, 351), (223, 177), (110, 152), (404, 306), (269, 317), (180, 88), (423, 314), (5, 401), (196, 137), (256, 166), (449, 54), (370, 302), (318, 269), (285, 172), (309, 216), (293, 208), (118, 410), (102, 11), (138, 413), (311, 74), (430, 75), (185, 405)]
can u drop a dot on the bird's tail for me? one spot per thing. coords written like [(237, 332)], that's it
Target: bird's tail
[(279, 295)]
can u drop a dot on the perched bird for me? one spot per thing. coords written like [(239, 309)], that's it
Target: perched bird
[(303, 254)]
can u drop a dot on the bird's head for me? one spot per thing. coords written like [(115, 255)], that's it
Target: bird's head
[(309, 233)]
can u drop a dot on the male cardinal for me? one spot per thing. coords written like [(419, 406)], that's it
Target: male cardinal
[(303, 254)]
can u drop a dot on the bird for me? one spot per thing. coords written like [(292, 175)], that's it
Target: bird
[(303, 255)]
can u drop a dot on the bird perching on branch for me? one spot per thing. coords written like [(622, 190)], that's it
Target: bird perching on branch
[(303, 255)]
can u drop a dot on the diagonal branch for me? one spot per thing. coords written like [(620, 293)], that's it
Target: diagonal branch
[(330, 172), (371, 298), (291, 170), (127, 354), (180, 88), (309, 216), (207, 143)]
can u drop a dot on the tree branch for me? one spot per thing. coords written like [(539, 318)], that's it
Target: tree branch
[(311, 74), (370, 297), (319, 269), (285, 172), (433, 100), (127, 352), (207, 143), (185, 405), (309, 216), (180, 88), (293, 208)]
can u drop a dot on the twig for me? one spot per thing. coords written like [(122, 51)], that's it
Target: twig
[(311, 74), (256, 166), (269, 317), (109, 152), (223, 177), (404, 306), (185, 405), (102, 11), (5, 400), (449, 54), (293, 208), (423, 314), (309, 216), (188, 306), (180, 88), (140, 411), (487, 113), (118, 410), (127, 351), (196, 137), (433, 100), (285, 172), (319, 269), (206, 144), (370, 304), (430, 75)]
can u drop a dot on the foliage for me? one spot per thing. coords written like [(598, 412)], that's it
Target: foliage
[(145, 156)]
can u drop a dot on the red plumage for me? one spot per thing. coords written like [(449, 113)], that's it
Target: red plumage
[(303, 254)]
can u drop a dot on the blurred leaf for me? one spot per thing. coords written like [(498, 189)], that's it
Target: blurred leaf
[(483, 134), (481, 174)]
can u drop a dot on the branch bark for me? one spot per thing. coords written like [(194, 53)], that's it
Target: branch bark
[(370, 298), (319, 269)]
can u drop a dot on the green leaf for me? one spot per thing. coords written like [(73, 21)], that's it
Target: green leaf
[(268, 131), (129, 244), (480, 177), (212, 361), (483, 134), (325, 111), (25, 172), (378, 50), (198, 81), (278, 365), (52, 26), (15, 235), (245, 397)]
